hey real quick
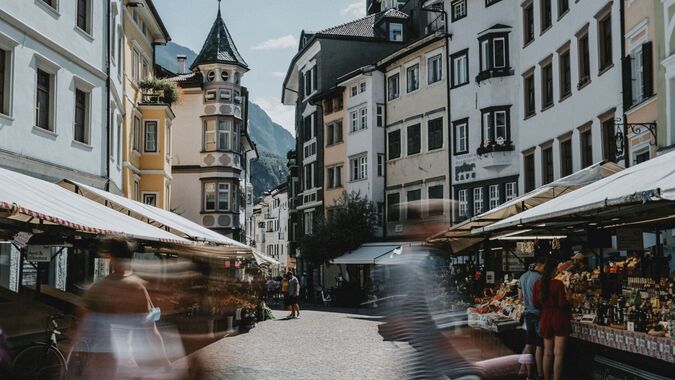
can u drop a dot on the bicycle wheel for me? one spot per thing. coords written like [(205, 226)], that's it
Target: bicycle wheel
[(39, 362), (77, 360)]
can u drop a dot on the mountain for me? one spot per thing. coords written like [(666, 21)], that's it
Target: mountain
[(271, 139)]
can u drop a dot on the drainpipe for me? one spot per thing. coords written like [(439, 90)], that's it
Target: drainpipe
[(385, 214), (108, 98), (626, 147)]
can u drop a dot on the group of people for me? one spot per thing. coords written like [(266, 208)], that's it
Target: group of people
[(547, 319), (289, 287)]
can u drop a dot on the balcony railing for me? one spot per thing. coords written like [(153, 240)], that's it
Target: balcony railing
[(153, 99)]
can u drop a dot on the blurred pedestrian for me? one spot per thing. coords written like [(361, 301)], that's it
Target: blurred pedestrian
[(534, 342), (293, 295), (555, 319), (284, 291), (303, 286)]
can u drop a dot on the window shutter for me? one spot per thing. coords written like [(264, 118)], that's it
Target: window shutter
[(648, 70), (627, 82)]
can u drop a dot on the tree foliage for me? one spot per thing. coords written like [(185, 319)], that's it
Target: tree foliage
[(350, 223)]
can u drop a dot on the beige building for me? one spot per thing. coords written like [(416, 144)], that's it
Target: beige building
[(640, 63), (335, 153), (211, 161), (417, 149)]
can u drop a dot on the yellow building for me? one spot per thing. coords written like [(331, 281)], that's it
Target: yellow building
[(146, 173)]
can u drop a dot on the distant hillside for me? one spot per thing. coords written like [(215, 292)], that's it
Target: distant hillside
[(272, 140)]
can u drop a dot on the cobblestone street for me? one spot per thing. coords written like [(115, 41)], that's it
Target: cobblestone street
[(318, 345)]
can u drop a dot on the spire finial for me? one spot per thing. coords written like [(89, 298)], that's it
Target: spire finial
[(218, 7)]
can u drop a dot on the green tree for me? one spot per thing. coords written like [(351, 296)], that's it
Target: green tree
[(350, 223)]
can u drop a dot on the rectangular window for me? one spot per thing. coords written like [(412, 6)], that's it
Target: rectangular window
[(395, 32), (529, 170), (461, 138), (137, 135), (83, 15), (435, 69), (4, 81), (309, 176), (414, 139), (137, 191), (394, 144), (224, 132), (435, 207), (354, 117), (528, 23), (494, 54), (226, 95), (135, 65), (223, 197), (496, 126), (463, 203), (485, 57), (547, 85), (150, 199), (530, 96), (565, 74), (380, 115), (81, 116), (609, 140), (359, 168), (380, 213), (499, 49), (546, 20), (51, 3), (150, 136), (44, 101), (566, 158), (393, 207), (584, 60), (362, 87), (380, 165), (547, 165), (586, 148), (355, 91), (563, 7), (309, 222), (494, 196), (510, 191), (210, 196), (210, 142), (477, 201), (413, 204), (460, 68), (364, 118), (605, 42), (458, 10), (330, 177), (413, 78), (435, 133), (393, 87)]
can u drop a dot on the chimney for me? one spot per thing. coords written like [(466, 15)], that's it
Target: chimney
[(181, 58)]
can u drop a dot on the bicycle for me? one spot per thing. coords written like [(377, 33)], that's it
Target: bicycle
[(44, 360)]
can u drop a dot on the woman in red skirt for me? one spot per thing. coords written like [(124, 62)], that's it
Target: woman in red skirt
[(554, 319)]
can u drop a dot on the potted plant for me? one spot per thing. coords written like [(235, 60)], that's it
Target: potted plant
[(161, 90)]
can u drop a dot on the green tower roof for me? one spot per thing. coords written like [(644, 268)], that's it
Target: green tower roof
[(219, 47)]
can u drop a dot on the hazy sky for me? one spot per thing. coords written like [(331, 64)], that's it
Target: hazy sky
[(266, 33)]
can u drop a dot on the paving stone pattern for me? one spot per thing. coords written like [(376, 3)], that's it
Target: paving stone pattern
[(318, 345)]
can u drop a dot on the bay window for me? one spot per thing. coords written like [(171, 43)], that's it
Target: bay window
[(494, 55), (219, 196), (496, 126)]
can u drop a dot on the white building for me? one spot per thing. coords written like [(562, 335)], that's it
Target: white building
[(365, 121), (53, 114), (271, 231), (571, 87), (484, 103)]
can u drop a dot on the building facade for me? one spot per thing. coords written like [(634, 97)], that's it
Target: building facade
[(273, 224), (210, 173), (417, 151), (571, 88), (53, 100), (335, 146), (483, 62), (365, 121), (146, 151)]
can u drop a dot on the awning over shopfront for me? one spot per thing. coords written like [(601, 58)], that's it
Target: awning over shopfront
[(366, 254), (175, 223), (642, 192), (264, 260), (35, 201), (460, 236)]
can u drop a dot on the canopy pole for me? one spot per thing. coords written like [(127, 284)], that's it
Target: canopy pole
[(656, 275)]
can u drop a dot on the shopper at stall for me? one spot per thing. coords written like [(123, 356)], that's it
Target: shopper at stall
[(554, 319), (534, 343)]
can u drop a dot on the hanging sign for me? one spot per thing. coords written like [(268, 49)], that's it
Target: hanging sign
[(525, 248), (39, 254), (629, 239)]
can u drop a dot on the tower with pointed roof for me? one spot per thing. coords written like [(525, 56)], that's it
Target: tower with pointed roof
[(212, 147)]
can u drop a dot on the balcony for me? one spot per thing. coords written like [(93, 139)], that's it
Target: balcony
[(493, 155), (150, 99), (158, 92)]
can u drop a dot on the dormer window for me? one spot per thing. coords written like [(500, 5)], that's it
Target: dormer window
[(225, 76), (237, 78), (211, 76), (396, 32)]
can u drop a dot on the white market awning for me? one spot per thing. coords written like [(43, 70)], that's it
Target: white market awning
[(262, 259), (460, 236), (36, 201), (366, 254), (175, 223), (649, 182)]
